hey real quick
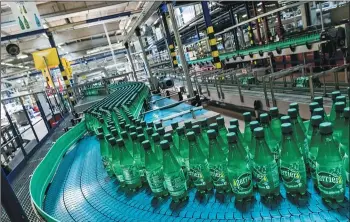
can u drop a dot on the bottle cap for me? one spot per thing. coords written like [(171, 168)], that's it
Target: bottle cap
[(334, 95), (232, 129), (99, 135), (141, 137), (112, 141), (234, 122), (161, 131), (139, 130), (120, 142), (109, 136), (264, 118), (339, 107), (133, 136), (319, 100), (127, 127), (294, 106), (124, 134), (114, 132), (318, 111), (149, 131), (214, 126), (101, 120), (340, 99), (220, 121), (164, 145), (286, 128), (191, 136), (316, 120), (168, 137), (143, 124), (155, 137), (122, 124), (132, 129), (247, 117), (180, 130), (188, 124), (293, 113), (326, 128), (313, 106), (204, 123), (285, 119), (347, 112), (274, 112), (158, 125), (138, 122), (146, 145), (196, 129), (231, 137), (253, 125), (100, 130), (174, 125), (211, 134), (150, 124), (259, 132)]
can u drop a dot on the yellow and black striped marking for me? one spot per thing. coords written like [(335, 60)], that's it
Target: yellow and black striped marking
[(68, 86), (213, 47), (250, 34), (173, 55)]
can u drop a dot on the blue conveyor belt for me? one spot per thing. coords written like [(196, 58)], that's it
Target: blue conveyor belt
[(82, 191)]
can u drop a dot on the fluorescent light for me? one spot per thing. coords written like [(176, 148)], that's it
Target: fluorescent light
[(155, 22), (45, 26), (22, 56), (243, 16), (259, 9), (260, 3), (20, 66)]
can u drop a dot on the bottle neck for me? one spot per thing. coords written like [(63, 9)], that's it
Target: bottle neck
[(289, 147)]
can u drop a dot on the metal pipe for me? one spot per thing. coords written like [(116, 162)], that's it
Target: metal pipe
[(28, 118), (257, 23), (126, 44), (110, 44), (321, 15)]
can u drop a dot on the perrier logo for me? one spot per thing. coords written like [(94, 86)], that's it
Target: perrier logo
[(244, 181), (289, 174), (329, 180)]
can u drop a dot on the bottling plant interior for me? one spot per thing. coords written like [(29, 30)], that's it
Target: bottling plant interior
[(175, 111)]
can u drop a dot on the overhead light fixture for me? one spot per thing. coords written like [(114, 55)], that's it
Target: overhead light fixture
[(45, 26), (259, 10), (243, 16), (23, 56), (155, 22), (20, 66), (260, 3)]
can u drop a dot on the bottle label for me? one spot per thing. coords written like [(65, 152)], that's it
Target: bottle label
[(293, 175), (176, 184), (218, 175), (131, 174), (331, 181), (267, 176), (155, 180), (196, 174), (242, 184), (312, 165)]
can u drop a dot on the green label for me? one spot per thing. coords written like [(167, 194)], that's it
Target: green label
[(293, 175), (131, 174), (155, 180), (176, 184), (267, 176), (331, 180), (242, 184), (218, 174), (197, 174)]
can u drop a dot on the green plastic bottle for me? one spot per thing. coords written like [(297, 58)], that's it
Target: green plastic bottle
[(265, 168), (139, 130), (300, 120), (234, 129), (344, 151), (199, 168), (269, 136), (247, 132), (239, 171), (235, 122), (315, 141), (201, 141), (174, 126), (335, 94), (127, 141), (275, 123), (182, 160), (253, 125), (222, 129), (138, 154), (149, 132), (116, 167), (158, 125), (285, 119), (330, 170), (340, 99), (338, 123), (292, 164), (154, 171), (161, 132), (217, 163), (103, 148), (298, 133), (156, 146), (188, 125), (204, 128), (220, 140), (174, 177), (130, 170)]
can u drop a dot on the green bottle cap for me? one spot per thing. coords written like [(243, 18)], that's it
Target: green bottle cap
[(191, 136), (99, 136), (234, 122), (264, 118), (211, 133), (220, 121), (174, 125), (100, 130), (347, 112), (114, 132), (133, 136), (127, 127), (318, 111), (168, 137), (141, 137), (146, 145), (214, 126), (196, 129), (138, 122), (180, 130), (158, 125), (231, 137), (112, 141), (341, 99), (316, 120), (150, 124), (155, 137), (139, 130), (164, 144), (132, 129), (124, 134), (143, 124), (293, 113), (188, 124), (247, 117), (254, 124), (109, 136), (232, 129), (259, 132), (339, 107), (319, 100), (122, 125), (285, 119), (313, 106), (149, 131), (101, 120), (204, 122), (335, 94), (294, 106), (286, 128), (161, 131), (326, 128), (274, 112), (120, 142)]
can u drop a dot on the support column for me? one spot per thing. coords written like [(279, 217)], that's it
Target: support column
[(257, 23), (171, 45), (234, 31), (130, 61), (181, 50), (250, 28), (305, 15), (110, 44), (211, 35), (265, 23), (147, 66), (279, 28), (197, 32)]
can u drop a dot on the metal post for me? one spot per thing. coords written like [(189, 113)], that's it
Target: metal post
[(42, 113), (217, 88), (311, 84), (220, 85), (28, 118), (321, 15), (239, 88), (130, 61), (257, 22), (324, 84), (265, 93), (109, 43), (250, 29), (280, 29), (265, 23), (197, 32), (272, 92), (180, 48), (147, 66), (234, 31)]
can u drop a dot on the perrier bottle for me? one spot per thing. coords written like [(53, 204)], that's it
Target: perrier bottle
[(292, 165), (315, 142), (247, 132), (330, 170), (344, 150), (199, 167), (269, 136), (275, 123), (299, 134), (238, 170), (116, 162), (265, 168), (174, 177)]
